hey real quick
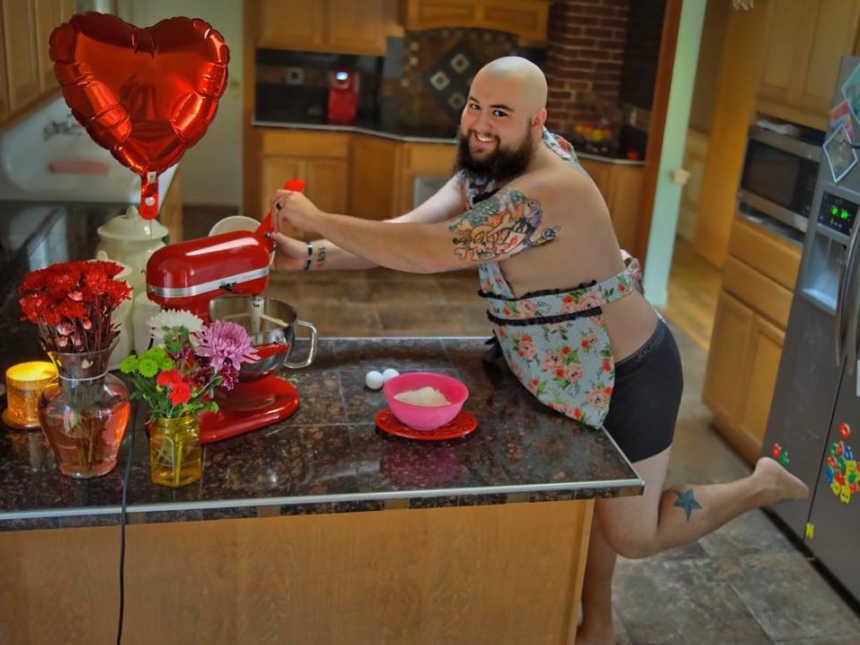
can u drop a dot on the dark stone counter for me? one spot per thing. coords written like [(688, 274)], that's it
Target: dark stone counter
[(329, 457)]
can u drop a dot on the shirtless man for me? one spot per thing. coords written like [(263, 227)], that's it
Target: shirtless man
[(523, 211)]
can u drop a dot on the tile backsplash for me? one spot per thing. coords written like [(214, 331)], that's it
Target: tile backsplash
[(422, 82)]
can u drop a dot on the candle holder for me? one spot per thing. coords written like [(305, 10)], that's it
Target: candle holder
[(24, 384)]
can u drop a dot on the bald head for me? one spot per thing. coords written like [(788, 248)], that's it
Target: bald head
[(527, 81)]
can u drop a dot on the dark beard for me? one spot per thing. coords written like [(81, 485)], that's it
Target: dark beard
[(500, 167)]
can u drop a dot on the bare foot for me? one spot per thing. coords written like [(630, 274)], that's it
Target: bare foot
[(778, 485)]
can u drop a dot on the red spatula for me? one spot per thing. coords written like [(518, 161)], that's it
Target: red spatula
[(265, 227)]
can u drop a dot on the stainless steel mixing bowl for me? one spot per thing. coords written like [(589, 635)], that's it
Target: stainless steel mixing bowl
[(269, 322)]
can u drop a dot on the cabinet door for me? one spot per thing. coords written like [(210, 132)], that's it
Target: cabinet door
[(49, 14), (625, 191), (833, 37), (355, 27), (22, 66), (373, 180), (275, 171), (762, 365), (805, 41), (327, 184), (298, 24), (789, 40), (727, 357), (4, 88)]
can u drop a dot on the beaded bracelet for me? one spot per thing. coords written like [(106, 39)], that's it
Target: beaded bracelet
[(310, 256)]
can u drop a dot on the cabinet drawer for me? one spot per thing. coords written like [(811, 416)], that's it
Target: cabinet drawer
[(429, 158), (305, 144), (777, 259), (761, 293)]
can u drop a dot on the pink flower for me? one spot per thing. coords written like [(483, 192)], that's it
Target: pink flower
[(574, 372), (225, 344), (599, 397)]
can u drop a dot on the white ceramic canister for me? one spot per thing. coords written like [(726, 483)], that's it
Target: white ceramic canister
[(121, 316), (131, 240), (142, 311)]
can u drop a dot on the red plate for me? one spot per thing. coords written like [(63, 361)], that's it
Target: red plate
[(460, 426)]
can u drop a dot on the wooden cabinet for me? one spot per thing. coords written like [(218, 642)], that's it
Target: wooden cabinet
[(422, 159), (526, 18), (749, 332), (4, 88), (318, 158), (26, 69), (22, 67), (741, 374), (805, 41), (373, 184), (621, 187), (733, 325), (341, 26), (49, 14)]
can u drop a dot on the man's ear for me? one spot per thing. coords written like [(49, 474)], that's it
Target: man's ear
[(539, 118)]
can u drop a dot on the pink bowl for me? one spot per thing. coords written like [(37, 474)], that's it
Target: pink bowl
[(420, 417)]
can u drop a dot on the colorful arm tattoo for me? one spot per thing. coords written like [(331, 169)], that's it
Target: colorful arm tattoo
[(505, 224)]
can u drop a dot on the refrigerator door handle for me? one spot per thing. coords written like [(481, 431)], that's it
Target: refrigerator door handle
[(846, 281)]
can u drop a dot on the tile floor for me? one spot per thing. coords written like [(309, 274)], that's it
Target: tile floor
[(746, 583)]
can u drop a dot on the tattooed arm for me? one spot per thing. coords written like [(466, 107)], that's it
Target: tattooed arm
[(506, 224)]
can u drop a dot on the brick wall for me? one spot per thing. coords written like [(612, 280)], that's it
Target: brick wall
[(585, 53)]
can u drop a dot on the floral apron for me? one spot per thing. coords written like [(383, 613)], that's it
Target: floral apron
[(555, 341)]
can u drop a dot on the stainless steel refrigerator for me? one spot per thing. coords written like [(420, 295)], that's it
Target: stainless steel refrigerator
[(814, 422)]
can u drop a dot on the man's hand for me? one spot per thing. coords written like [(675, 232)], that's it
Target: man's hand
[(290, 254), (293, 208)]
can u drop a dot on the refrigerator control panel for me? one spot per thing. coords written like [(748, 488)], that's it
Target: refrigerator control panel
[(837, 213)]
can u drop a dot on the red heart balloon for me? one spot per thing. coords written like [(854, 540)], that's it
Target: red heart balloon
[(144, 94)]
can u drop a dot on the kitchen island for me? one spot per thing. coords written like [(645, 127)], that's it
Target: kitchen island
[(321, 528)]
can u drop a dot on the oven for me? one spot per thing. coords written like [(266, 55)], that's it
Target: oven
[(779, 175)]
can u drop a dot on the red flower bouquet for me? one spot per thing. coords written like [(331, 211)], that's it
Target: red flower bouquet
[(85, 414), (71, 303)]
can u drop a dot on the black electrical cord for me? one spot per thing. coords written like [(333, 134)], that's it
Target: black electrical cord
[(122, 522)]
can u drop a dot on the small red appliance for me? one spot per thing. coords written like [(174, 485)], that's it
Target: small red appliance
[(188, 275), (342, 96)]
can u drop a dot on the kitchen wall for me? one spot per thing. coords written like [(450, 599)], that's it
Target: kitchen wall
[(585, 54), (212, 169)]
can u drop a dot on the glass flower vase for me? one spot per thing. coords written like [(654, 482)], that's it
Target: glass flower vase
[(175, 454), (84, 415)]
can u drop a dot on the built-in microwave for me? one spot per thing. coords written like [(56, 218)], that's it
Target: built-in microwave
[(779, 175)]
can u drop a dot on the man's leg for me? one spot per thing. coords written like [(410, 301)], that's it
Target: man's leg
[(597, 591), (641, 526)]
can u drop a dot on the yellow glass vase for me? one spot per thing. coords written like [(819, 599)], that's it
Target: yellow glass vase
[(175, 455)]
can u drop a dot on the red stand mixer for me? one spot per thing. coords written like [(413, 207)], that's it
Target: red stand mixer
[(222, 277)]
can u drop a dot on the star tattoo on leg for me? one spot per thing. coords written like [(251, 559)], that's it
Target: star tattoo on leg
[(687, 502)]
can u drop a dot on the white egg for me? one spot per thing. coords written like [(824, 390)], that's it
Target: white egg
[(373, 380), (389, 374)]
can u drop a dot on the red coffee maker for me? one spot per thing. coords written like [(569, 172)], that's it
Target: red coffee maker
[(342, 96)]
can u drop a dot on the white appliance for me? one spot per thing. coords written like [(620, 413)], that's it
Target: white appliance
[(48, 156)]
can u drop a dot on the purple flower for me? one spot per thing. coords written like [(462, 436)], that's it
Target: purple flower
[(226, 345)]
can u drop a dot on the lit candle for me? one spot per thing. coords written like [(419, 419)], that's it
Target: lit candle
[(24, 384)]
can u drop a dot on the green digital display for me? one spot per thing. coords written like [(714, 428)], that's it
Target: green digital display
[(838, 213)]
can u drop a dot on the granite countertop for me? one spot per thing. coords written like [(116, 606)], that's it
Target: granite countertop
[(329, 457)]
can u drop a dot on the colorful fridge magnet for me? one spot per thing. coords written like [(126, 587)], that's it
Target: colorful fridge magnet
[(851, 92), (840, 115), (841, 473), (844, 430), (780, 454), (840, 154)]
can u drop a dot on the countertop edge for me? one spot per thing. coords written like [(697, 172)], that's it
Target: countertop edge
[(555, 487), (327, 127)]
